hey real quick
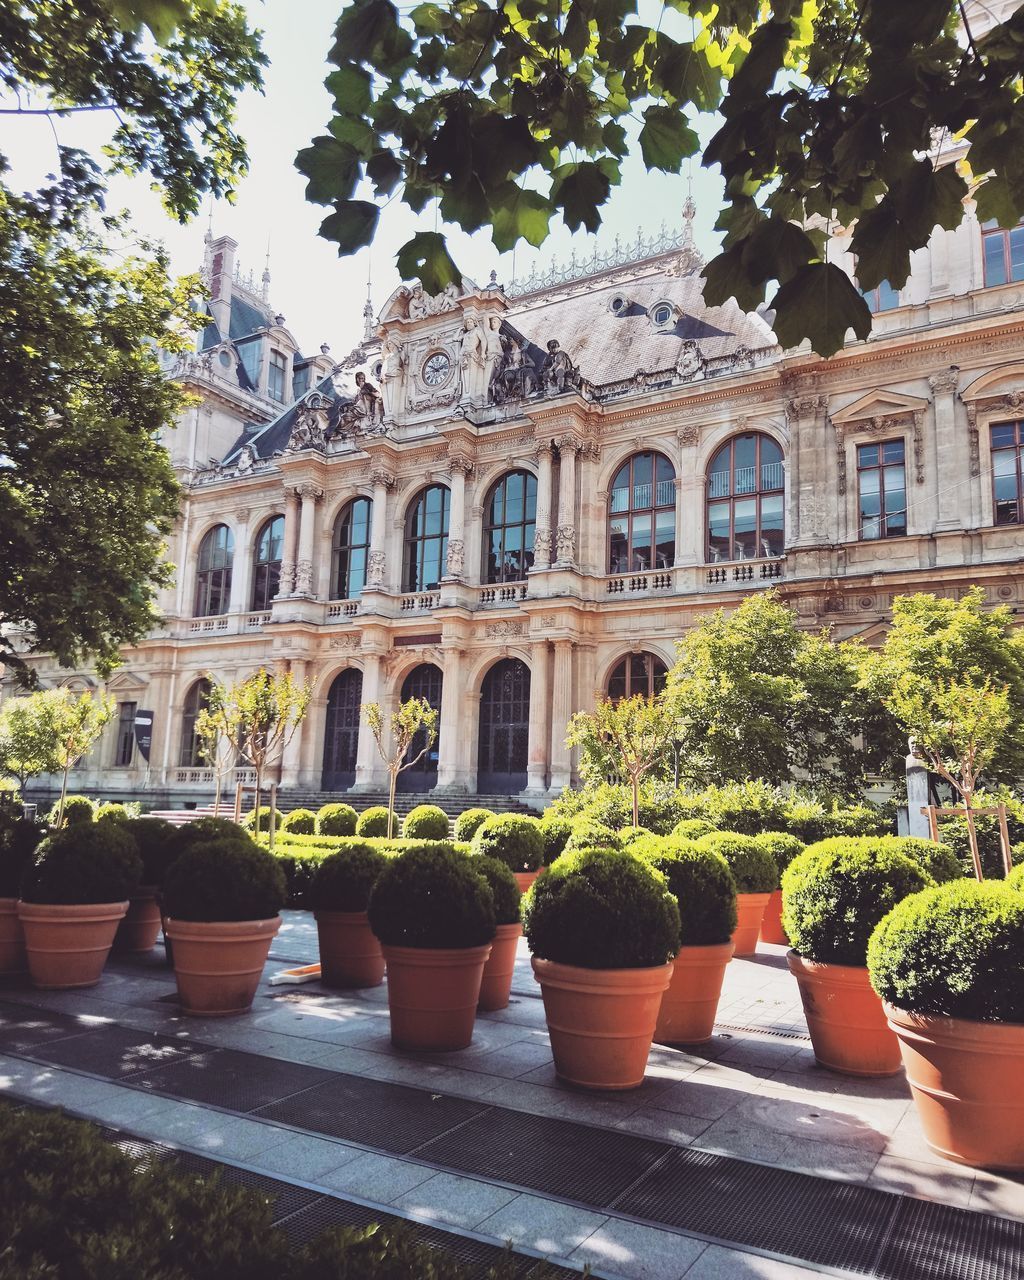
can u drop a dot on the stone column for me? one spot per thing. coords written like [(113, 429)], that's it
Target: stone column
[(809, 520), (458, 468), (291, 542), (542, 536), (241, 566), (947, 453), (291, 756), (383, 482), (309, 495), (450, 729), (540, 738), (689, 501), (917, 797), (369, 766), (565, 547), (561, 710)]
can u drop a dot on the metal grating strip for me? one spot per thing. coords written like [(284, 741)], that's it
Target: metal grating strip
[(119, 1053), (775, 1033), (931, 1241), (22, 1027), (227, 1078)]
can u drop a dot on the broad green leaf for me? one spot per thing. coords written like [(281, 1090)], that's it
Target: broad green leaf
[(881, 247), (354, 132), (726, 277), (666, 139), (820, 303), (431, 19), (351, 225), (579, 190), (363, 28), (162, 17), (777, 249), (466, 205), (519, 215), (350, 88), (332, 168), (425, 257), (384, 171)]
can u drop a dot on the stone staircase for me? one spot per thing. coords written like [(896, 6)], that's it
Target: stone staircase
[(297, 798)]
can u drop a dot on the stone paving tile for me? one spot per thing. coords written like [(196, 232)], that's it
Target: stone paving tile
[(512, 1060), (927, 1181), (719, 1263), (215, 1134), (735, 1136), (1003, 1195), (377, 1178), (704, 1100), (668, 1126), (638, 1252), (802, 1119), (305, 1158), (544, 1225), (454, 1200)]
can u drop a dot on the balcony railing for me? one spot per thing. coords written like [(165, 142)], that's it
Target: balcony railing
[(639, 583), (420, 601), (256, 621), (198, 776), (503, 593), (744, 571), (204, 626), (343, 609)]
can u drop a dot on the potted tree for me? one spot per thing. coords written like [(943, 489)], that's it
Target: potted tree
[(73, 897), (426, 822), (496, 986), (756, 875), (783, 848), (948, 963), (434, 917), (833, 895), (517, 841), (138, 931), (201, 831), (350, 955), (18, 841), (603, 929), (703, 887), (221, 900)]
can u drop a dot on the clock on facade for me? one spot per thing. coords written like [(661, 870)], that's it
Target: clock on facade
[(436, 369)]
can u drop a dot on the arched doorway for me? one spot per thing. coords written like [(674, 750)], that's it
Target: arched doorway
[(424, 681), (504, 727), (341, 736)]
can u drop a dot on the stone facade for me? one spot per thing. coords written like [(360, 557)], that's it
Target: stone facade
[(512, 624)]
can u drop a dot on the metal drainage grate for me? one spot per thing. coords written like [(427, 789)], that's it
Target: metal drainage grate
[(775, 1033), (23, 1028), (937, 1242), (227, 1078), (119, 1053)]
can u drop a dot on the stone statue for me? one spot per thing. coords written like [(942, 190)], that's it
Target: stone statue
[(471, 357), (392, 365), (494, 354), (518, 377), (419, 303), (558, 371), (368, 409), (447, 299), (246, 459), (690, 363)]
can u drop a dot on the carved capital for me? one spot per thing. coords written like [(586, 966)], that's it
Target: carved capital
[(542, 548), (569, 443), (947, 382), (566, 541), (460, 464), (688, 435), (309, 491), (381, 478)]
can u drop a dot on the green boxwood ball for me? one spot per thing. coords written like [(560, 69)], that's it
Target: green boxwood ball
[(702, 885), (224, 880), (1016, 878), (953, 951), (782, 846), (373, 822), (343, 880), (83, 863), (300, 821), (469, 821), (261, 822), (336, 820), (432, 898), (752, 866), (555, 833), (692, 828), (77, 809), (507, 898), (512, 838), (426, 822)]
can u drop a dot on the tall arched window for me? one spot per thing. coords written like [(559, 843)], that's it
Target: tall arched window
[(642, 515), (266, 576), (341, 730), (510, 522), (425, 681), (426, 539), (351, 550), (745, 515), (504, 728), (213, 572), (198, 697), (637, 673)]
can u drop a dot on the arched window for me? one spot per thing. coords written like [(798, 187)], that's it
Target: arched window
[(351, 550), (196, 700), (1007, 440), (341, 731), (425, 681), (213, 573), (642, 515), (426, 539), (637, 673), (510, 523), (266, 576), (745, 516), (504, 728)]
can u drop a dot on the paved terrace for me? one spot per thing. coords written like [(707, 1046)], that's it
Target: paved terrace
[(742, 1160)]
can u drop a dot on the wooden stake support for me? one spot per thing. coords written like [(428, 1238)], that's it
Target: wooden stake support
[(934, 813)]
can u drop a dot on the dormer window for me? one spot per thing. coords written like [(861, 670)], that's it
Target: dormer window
[(277, 376), (663, 315)]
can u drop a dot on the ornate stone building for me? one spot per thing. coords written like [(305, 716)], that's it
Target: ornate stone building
[(512, 500)]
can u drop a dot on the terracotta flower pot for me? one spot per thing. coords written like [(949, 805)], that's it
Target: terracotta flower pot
[(525, 878), (497, 979), (218, 965), (750, 909), (965, 1079), (140, 928), (771, 925), (601, 1021), (433, 994), (67, 946), (848, 1028), (12, 940), (688, 1007), (350, 956)]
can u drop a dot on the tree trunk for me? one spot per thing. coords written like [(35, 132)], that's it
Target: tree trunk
[(972, 835), (392, 786), (635, 784), (259, 790), (63, 795)]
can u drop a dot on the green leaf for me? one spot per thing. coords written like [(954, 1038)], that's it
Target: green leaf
[(365, 27), (431, 19), (576, 34), (822, 304), (518, 215), (466, 205), (162, 17), (881, 247), (351, 225), (666, 139), (426, 257), (727, 277), (578, 190), (777, 249), (332, 168), (354, 132), (384, 171), (350, 86), (995, 199)]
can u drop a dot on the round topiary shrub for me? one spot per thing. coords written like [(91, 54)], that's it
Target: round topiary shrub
[(954, 951), (154, 840), (112, 811), (83, 864), (77, 809), (629, 836), (224, 880), (782, 846), (703, 887), (602, 909), (336, 820), (19, 839), (1016, 877), (692, 828), (507, 898), (938, 859), (835, 892), (555, 833), (343, 880), (260, 823), (302, 822), (469, 821), (426, 822), (373, 822), (434, 899), (591, 835), (512, 838), (752, 866), (202, 831)]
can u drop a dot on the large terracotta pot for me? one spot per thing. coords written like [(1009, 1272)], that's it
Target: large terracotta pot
[(688, 1007), (218, 964), (849, 1032), (12, 940), (771, 924), (526, 878), (601, 1021), (433, 994), (497, 980), (350, 956), (965, 1078), (67, 946), (750, 908), (140, 928)]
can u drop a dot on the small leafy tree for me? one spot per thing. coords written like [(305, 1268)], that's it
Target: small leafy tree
[(412, 717), (73, 723), (217, 728), (958, 726), (26, 743), (631, 737)]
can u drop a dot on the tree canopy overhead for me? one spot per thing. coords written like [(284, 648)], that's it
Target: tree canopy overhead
[(517, 112)]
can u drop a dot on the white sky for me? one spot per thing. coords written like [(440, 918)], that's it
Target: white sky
[(320, 294)]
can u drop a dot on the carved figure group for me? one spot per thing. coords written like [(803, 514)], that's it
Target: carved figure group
[(558, 373), (421, 304)]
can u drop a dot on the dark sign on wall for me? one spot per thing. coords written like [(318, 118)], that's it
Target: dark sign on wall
[(144, 732)]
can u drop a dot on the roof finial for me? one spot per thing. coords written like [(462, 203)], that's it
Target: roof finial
[(266, 274), (367, 317), (689, 212)]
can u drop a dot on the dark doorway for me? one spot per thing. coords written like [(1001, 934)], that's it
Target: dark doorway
[(504, 728), (424, 681), (341, 736)]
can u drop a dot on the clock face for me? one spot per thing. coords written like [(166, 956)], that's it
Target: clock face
[(436, 369)]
